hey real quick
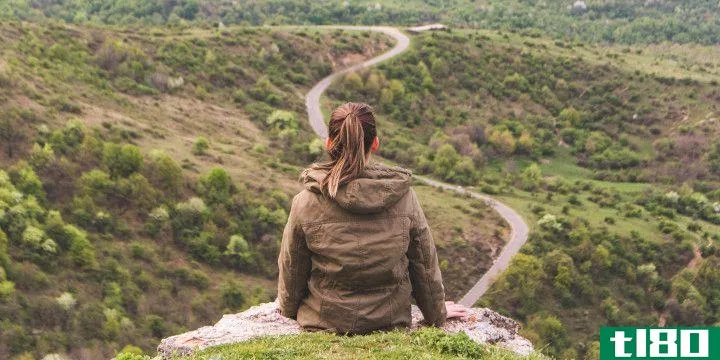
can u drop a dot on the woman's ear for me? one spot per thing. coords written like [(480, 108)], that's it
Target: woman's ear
[(328, 143), (375, 145)]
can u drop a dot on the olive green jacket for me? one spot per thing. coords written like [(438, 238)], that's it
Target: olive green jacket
[(352, 264)]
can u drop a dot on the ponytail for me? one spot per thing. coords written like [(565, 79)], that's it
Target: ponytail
[(352, 130)]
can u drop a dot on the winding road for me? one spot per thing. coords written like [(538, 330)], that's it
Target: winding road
[(519, 229)]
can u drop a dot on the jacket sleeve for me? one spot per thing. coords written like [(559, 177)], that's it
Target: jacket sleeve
[(424, 268), (294, 265)]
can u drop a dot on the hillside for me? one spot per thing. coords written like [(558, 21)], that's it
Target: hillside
[(618, 21), (149, 151), (146, 176), (613, 163)]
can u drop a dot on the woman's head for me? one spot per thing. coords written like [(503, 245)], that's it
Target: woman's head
[(352, 138)]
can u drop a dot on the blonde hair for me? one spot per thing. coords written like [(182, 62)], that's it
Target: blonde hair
[(352, 132)]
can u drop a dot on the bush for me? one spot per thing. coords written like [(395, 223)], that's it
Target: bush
[(216, 186), (27, 181), (81, 250), (165, 173), (190, 215), (122, 160), (233, 296), (201, 146)]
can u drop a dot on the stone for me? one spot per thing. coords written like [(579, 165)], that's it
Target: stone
[(482, 325)]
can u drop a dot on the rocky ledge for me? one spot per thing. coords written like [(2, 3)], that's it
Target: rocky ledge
[(482, 325)]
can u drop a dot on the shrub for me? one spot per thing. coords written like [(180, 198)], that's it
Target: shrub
[(201, 146), (232, 295), (122, 160), (81, 250), (27, 181), (216, 186), (33, 237), (283, 121), (190, 215), (96, 184), (7, 289), (157, 221), (165, 173), (66, 301), (40, 156), (238, 250)]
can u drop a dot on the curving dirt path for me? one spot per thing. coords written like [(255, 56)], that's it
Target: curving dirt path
[(519, 229)]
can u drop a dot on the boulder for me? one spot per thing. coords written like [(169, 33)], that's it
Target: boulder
[(482, 325)]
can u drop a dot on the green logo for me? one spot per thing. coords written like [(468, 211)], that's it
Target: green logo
[(659, 343)]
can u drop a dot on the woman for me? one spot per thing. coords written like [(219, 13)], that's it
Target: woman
[(357, 246)]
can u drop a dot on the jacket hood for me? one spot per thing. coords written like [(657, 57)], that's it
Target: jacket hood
[(376, 189)]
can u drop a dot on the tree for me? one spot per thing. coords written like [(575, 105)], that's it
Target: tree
[(445, 161), (522, 280)]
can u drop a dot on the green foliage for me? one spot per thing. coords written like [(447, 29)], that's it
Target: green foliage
[(285, 122), (122, 161), (530, 177), (551, 333), (165, 173), (81, 250), (201, 146), (216, 186), (26, 180), (233, 296)]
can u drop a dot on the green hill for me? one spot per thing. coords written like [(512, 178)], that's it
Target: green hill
[(610, 157)]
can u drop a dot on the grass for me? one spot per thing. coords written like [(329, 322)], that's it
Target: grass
[(691, 61), (424, 344)]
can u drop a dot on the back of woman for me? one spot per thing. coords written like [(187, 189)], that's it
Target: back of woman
[(357, 247)]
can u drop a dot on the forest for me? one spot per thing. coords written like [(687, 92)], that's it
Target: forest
[(626, 21)]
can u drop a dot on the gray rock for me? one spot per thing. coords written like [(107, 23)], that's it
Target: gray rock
[(482, 325), (579, 6)]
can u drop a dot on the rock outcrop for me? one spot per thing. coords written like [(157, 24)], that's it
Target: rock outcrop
[(482, 325)]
